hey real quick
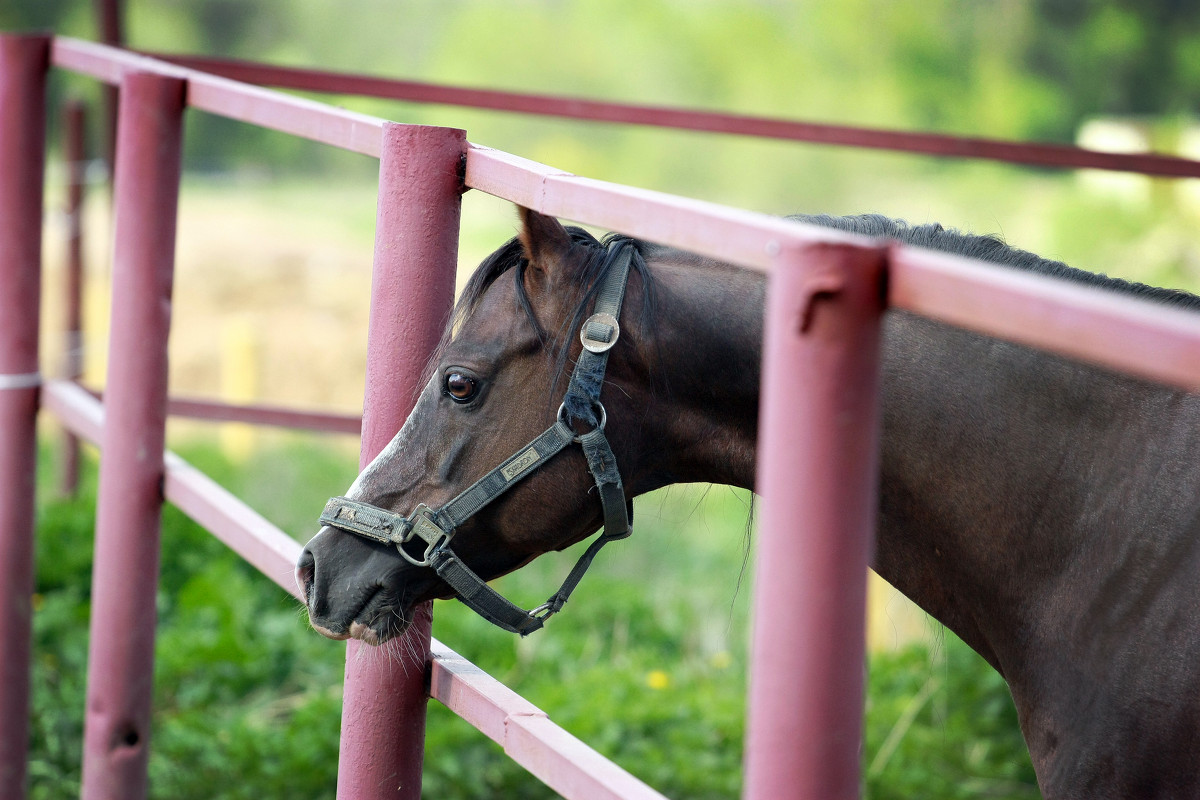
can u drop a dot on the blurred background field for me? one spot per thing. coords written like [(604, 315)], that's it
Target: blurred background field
[(273, 266)]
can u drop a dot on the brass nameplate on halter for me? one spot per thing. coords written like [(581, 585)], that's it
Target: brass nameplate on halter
[(519, 464)]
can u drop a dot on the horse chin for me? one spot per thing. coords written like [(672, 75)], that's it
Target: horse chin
[(378, 620), (375, 633), (328, 633), (367, 634), (385, 626)]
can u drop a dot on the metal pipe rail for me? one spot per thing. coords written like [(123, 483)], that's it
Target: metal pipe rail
[(1122, 333), (120, 667), (1028, 153), (74, 153), (358, 133), (256, 414), (839, 275)]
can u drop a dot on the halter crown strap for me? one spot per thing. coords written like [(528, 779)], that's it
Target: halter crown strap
[(436, 527)]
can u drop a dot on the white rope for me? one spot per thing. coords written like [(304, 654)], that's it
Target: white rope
[(27, 380)]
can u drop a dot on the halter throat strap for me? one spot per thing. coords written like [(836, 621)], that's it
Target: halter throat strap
[(431, 530)]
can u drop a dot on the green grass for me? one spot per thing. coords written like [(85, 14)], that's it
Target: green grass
[(647, 664)]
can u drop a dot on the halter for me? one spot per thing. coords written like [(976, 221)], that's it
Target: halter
[(435, 527)]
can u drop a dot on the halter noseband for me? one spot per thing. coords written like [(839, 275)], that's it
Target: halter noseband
[(434, 528)]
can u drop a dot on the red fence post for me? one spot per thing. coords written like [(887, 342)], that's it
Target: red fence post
[(817, 474), (23, 63), (75, 155), (129, 506), (412, 291)]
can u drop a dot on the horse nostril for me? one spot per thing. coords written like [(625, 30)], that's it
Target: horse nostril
[(306, 566)]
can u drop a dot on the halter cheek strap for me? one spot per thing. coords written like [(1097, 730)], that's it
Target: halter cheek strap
[(430, 531)]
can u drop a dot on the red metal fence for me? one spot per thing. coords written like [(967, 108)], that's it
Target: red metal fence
[(22, 135), (817, 478)]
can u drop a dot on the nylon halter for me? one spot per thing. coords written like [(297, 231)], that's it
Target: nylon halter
[(434, 528)]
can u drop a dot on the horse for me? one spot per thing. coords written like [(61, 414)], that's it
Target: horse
[(1045, 510)]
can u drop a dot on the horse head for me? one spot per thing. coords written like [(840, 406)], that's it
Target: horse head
[(493, 409)]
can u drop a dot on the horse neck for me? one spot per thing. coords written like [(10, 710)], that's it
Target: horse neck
[(966, 442), (1006, 471), (1049, 514), (700, 366)]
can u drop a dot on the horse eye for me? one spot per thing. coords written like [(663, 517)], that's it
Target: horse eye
[(460, 387)]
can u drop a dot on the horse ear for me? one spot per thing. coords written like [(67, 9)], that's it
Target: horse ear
[(544, 239)]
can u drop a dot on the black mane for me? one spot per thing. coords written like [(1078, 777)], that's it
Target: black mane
[(993, 249)]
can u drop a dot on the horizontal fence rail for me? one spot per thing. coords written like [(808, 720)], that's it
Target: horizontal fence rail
[(952, 289), (358, 133), (1136, 336), (1132, 335), (258, 414), (1027, 153), (1154, 343)]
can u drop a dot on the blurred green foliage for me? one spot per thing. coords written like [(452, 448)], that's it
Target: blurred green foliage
[(647, 665), (1123, 57)]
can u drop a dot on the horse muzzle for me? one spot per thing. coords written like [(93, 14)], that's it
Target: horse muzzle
[(354, 589)]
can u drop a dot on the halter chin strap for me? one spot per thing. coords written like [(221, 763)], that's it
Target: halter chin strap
[(423, 537)]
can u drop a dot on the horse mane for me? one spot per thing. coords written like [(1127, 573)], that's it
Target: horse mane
[(994, 250)]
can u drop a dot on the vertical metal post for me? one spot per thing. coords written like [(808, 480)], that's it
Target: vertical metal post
[(412, 291), (75, 156), (23, 63), (128, 513), (817, 474)]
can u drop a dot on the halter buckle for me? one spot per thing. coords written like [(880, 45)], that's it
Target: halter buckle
[(424, 527), (599, 332)]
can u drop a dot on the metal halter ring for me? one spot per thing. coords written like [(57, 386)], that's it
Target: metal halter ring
[(603, 417)]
